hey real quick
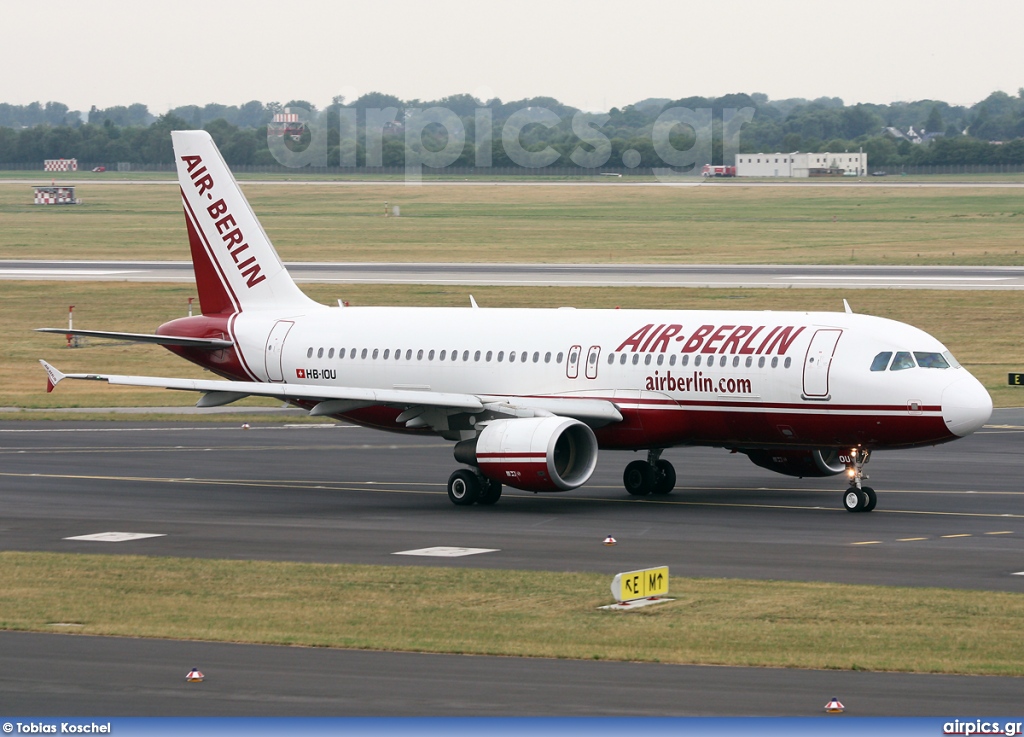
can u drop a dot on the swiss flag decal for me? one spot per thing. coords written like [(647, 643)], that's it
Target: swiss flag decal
[(300, 373)]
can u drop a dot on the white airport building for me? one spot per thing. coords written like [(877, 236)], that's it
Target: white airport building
[(798, 164)]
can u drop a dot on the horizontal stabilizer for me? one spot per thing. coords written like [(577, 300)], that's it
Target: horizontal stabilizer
[(213, 344), (53, 376)]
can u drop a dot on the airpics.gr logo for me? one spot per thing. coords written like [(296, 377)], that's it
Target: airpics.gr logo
[(979, 726), (682, 139)]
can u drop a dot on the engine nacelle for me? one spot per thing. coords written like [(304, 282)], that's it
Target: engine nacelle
[(533, 453), (810, 463)]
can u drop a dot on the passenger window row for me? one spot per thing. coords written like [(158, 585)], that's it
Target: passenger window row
[(430, 355), (524, 357), (709, 361)]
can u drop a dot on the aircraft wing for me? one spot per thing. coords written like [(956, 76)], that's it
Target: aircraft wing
[(340, 399), (239, 389), (214, 344), (594, 412)]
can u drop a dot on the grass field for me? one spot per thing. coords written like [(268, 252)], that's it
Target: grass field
[(809, 625), (521, 613), (985, 330), (528, 224), (721, 224)]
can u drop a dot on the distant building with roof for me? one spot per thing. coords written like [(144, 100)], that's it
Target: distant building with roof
[(797, 164)]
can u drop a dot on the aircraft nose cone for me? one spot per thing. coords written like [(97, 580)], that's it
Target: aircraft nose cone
[(966, 406)]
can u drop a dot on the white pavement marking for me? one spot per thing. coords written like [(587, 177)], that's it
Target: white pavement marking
[(901, 278), (447, 552), (116, 537), (43, 273)]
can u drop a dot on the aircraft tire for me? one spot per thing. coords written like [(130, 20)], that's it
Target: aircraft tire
[(463, 487), (854, 500), (664, 477), (490, 493), (638, 478), (870, 498)]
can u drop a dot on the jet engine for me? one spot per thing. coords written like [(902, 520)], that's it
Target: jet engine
[(533, 453), (800, 463)]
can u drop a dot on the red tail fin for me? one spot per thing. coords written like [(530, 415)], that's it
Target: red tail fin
[(236, 265)]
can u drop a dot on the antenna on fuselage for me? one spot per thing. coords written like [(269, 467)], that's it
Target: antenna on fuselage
[(847, 306), (472, 303)]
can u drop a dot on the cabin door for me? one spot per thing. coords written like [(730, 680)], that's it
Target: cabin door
[(818, 362), (275, 349)]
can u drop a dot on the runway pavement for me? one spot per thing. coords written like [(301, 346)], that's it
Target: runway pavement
[(947, 516), (577, 275), (43, 674)]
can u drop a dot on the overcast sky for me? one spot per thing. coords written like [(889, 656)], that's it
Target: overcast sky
[(592, 55)]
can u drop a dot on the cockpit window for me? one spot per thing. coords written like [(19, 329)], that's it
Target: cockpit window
[(902, 361), (931, 360), (881, 361), (950, 360)]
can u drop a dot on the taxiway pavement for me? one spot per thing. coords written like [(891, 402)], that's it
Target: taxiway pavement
[(564, 275), (947, 516)]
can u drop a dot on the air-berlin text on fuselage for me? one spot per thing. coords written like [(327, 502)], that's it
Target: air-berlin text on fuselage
[(742, 339), (225, 223), (696, 382)]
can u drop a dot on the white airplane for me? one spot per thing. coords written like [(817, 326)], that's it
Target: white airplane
[(530, 395)]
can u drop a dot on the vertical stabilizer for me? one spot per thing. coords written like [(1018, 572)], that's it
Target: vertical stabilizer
[(236, 266)]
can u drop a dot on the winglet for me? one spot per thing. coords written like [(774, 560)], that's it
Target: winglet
[(53, 376)]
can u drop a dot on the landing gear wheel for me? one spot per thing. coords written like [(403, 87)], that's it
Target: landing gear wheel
[(854, 500), (638, 478), (464, 487), (664, 477), (869, 498), (490, 493)]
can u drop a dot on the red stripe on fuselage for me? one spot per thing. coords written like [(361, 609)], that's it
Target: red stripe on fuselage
[(662, 427), (646, 428)]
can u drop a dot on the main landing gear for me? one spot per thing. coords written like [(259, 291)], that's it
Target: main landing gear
[(466, 487), (858, 498), (653, 476)]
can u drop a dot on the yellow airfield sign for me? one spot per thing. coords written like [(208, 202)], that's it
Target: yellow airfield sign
[(640, 584)]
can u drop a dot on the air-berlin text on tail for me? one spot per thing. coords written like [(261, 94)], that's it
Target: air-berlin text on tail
[(743, 339), (225, 223)]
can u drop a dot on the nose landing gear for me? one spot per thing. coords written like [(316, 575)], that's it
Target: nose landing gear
[(858, 498)]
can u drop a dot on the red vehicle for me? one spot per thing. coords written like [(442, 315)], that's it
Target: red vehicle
[(713, 170), (99, 169)]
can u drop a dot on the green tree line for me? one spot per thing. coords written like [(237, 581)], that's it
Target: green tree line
[(989, 132)]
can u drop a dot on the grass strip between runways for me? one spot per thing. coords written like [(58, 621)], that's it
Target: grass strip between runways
[(518, 613)]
